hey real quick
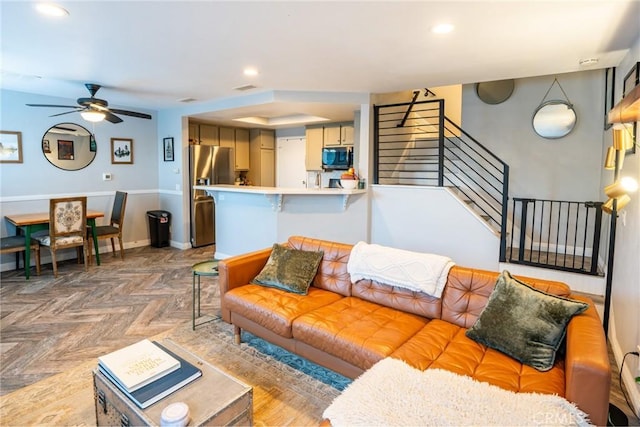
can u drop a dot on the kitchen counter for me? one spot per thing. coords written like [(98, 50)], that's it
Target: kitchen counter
[(249, 218), (276, 194)]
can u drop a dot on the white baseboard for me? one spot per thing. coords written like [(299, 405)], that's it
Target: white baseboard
[(630, 366)]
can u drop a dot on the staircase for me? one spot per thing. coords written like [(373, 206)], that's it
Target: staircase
[(416, 144)]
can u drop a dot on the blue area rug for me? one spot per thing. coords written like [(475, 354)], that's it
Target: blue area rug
[(317, 372)]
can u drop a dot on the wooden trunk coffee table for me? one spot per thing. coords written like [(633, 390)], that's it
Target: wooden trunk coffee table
[(215, 398)]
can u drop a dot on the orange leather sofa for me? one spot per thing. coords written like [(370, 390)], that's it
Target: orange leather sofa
[(347, 327)]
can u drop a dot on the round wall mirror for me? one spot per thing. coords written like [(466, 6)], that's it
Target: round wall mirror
[(495, 92), (554, 119), (69, 146)]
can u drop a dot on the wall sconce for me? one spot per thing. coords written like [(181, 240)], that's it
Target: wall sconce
[(619, 191), (610, 160), (622, 137)]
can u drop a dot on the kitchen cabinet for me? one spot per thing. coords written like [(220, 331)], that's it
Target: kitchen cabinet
[(194, 134), (242, 149), (262, 167), (313, 152), (203, 134), (238, 139), (338, 134), (209, 135)]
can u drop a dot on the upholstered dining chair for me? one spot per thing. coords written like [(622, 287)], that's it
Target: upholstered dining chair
[(114, 229), (15, 244), (67, 228)]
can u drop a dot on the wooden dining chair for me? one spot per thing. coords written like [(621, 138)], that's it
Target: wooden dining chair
[(114, 229), (67, 228), (15, 244)]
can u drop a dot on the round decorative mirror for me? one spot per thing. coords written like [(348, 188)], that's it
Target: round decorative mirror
[(69, 146), (495, 92), (554, 119)]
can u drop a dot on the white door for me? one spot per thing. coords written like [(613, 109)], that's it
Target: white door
[(290, 169)]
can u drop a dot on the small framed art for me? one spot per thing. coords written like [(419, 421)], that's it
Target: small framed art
[(122, 151), (609, 94), (167, 149), (630, 81), (65, 150), (10, 146)]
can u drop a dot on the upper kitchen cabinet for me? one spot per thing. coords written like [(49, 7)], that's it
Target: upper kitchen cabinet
[(209, 135), (203, 134), (313, 154), (262, 156), (242, 149), (194, 134), (338, 134), (238, 139)]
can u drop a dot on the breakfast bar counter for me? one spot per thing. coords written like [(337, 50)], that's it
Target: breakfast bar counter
[(276, 194), (249, 218)]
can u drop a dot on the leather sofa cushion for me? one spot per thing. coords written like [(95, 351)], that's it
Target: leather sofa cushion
[(359, 332), (332, 274), (442, 345), (399, 298), (468, 290), (275, 309)]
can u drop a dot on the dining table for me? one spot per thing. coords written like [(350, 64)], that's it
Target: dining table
[(32, 222)]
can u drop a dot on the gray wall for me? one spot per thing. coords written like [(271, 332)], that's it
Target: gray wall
[(563, 169)]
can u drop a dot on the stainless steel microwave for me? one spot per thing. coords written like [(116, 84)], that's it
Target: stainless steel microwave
[(337, 158)]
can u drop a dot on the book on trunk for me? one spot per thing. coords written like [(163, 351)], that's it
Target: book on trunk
[(137, 365), (161, 387)]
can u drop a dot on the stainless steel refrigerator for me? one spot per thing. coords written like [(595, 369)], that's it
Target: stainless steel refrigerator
[(208, 165)]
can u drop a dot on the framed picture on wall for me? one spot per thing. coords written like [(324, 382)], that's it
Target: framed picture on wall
[(65, 150), (609, 94), (10, 146), (167, 149), (122, 151), (630, 81)]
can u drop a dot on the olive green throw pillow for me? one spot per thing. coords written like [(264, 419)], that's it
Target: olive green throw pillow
[(524, 323), (288, 269)]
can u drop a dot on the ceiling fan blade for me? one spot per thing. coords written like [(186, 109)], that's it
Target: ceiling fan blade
[(130, 113), (50, 105), (108, 116), (66, 112)]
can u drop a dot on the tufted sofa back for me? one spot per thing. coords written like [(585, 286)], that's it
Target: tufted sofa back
[(332, 272), (468, 289), (465, 294)]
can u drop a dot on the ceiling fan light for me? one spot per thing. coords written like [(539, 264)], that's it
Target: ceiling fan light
[(93, 116), (51, 9)]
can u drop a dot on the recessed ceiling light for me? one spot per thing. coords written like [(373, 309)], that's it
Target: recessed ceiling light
[(250, 72), (51, 9), (442, 29)]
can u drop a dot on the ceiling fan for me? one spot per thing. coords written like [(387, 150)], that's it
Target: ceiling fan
[(94, 109)]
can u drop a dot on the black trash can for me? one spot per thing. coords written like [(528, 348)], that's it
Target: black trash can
[(159, 228)]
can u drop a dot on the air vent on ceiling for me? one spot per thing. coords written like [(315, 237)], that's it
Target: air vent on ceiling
[(245, 87), (186, 99)]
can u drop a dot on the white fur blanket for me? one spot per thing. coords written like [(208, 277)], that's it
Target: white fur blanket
[(392, 393), (416, 271)]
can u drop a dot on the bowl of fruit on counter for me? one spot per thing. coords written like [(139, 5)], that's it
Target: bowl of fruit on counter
[(349, 180)]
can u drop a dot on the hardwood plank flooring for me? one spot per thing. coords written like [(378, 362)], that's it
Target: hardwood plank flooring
[(49, 326)]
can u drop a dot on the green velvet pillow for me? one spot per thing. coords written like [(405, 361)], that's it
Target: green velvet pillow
[(288, 269), (524, 323)]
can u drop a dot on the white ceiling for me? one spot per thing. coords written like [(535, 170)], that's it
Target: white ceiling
[(150, 54)]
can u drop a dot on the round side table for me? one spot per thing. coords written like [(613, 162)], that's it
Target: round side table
[(204, 268)]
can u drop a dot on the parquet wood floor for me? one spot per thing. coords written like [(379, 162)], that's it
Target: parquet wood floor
[(48, 325)]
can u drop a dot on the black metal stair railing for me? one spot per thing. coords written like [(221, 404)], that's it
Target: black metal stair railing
[(415, 144), (557, 234)]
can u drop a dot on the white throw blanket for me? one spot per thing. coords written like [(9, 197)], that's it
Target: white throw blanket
[(392, 393), (416, 271)]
